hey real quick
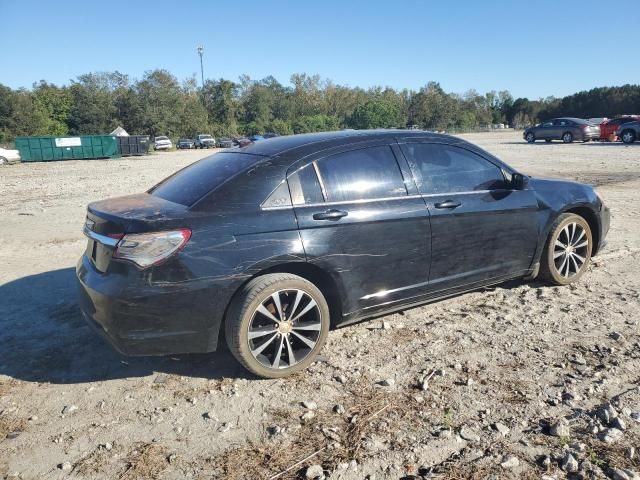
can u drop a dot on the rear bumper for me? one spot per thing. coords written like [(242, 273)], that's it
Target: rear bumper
[(591, 135), (138, 318)]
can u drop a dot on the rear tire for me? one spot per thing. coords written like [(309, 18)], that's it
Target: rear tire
[(628, 136), (567, 137), (567, 252), (276, 325)]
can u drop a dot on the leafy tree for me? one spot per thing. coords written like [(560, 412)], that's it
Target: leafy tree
[(220, 99), (158, 104), (55, 102), (376, 114)]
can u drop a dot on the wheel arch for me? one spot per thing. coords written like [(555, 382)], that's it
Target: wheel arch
[(592, 219), (314, 274)]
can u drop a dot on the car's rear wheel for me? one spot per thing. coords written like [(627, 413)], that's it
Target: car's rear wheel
[(530, 137), (628, 136), (567, 253), (567, 137), (277, 324)]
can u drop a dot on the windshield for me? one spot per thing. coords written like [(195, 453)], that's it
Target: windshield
[(161, 138), (205, 136), (190, 184)]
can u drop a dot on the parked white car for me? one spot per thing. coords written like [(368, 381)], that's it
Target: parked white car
[(9, 156), (162, 143)]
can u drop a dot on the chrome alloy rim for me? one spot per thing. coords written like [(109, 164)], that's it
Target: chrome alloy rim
[(570, 250), (627, 137), (284, 328), (567, 137)]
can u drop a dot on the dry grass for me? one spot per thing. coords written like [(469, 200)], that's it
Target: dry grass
[(482, 472), (93, 463), (6, 386), (612, 455), (328, 439), (145, 461), (9, 424)]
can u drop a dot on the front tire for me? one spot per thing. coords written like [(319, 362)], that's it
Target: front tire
[(567, 137), (628, 136), (277, 324), (567, 253), (530, 137)]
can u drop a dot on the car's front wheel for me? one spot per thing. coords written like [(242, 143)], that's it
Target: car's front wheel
[(277, 324), (530, 137), (567, 253), (628, 136)]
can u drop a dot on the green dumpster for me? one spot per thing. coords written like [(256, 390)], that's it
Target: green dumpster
[(44, 149)]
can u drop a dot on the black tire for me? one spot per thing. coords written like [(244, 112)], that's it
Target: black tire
[(628, 136), (243, 312), (530, 137), (551, 262), (567, 137), (3, 161)]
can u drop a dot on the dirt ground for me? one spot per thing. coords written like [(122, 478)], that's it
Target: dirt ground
[(518, 381)]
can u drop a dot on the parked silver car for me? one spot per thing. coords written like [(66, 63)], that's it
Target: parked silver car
[(629, 132), (565, 129)]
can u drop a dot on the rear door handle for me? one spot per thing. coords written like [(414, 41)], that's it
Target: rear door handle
[(331, 214), (448, 204)]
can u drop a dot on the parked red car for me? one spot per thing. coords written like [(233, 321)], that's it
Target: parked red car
[(609, 127)]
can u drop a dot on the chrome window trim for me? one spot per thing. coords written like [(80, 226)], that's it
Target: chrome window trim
[(383, 199), (103, 239), (320, 181)]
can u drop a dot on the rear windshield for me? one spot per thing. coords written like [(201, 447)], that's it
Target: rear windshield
[(192, 183), (162, 138)]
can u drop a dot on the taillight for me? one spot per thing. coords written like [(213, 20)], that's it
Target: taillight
[(147, 249)]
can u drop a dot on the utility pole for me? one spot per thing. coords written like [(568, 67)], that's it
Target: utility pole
[(201, 52)]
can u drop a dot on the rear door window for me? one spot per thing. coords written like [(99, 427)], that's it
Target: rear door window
[(449, 169), (192, 183), (363, 174), (305, 187)]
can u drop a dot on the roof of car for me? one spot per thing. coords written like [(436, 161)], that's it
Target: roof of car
[(279, 145), (574, 119)]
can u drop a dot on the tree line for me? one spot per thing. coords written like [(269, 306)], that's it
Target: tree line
[(160, 104)]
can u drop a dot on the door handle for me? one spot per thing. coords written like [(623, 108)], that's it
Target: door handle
[(331, 214), (448, 204)]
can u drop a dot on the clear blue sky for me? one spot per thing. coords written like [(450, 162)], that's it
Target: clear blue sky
[(534, 48)]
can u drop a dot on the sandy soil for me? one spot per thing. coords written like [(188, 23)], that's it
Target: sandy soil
[(522, 380)]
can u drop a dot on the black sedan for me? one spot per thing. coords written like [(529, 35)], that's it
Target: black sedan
[(288, 237)]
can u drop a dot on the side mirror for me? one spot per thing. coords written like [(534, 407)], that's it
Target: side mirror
[(519, 181)]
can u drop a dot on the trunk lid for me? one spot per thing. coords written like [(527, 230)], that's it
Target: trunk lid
[(107, 220)]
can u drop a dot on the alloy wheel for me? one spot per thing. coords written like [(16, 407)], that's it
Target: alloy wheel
[(284, 328), (570, 250), (627, 137), (567, 138)]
